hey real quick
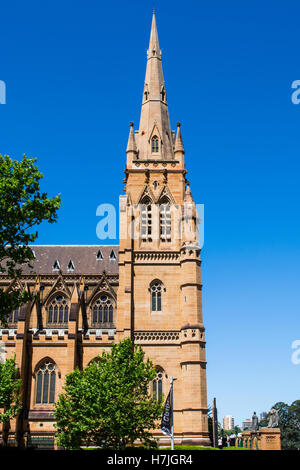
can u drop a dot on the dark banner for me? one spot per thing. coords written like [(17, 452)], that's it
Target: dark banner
[(166, 421)]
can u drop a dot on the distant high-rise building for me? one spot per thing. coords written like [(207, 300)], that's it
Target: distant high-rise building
[(228, 422), (263, 415), (246, 424)]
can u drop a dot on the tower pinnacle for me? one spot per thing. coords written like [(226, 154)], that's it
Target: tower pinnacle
[(178, 143), (131, 146)]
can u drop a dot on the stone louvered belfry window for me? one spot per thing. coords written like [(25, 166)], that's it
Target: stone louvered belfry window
[(58, 310), (45, 383), (157, 385), (165, 221), (146, 220), (156, 289), (103, 312), (155, 144)]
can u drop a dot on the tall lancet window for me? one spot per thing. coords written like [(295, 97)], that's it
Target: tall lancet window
[(165, 220), (45, 383), (157, 385), (156, 289), (146, 220), (155, 144)]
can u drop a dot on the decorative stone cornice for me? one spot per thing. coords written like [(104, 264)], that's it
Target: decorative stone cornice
[(157, 336), (151, 256)]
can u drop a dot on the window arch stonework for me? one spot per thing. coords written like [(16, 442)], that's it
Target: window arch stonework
[(58, 311), (103, 312)]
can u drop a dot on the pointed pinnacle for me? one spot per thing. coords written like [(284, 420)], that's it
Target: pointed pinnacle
[(179, 147), (131, 146), (188, 197)]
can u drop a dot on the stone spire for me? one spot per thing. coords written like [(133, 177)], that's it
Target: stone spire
[(154, 140)]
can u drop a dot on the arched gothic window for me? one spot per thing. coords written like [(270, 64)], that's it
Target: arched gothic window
[(156, 289), (146, 220), (155, 145), (103, 312), (45, 383), (157, 386), (165, 220), (58, 310)]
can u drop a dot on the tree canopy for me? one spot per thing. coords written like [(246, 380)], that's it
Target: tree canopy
[(22, 207), (109, 404)]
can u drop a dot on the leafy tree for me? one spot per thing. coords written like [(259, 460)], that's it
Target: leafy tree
[(22, 207), (237, 430), (108, 404), (10, 386)]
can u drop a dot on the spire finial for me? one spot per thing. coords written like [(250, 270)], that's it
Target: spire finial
[(154, 50)]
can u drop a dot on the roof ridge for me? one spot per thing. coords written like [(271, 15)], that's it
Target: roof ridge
[(76, 245)]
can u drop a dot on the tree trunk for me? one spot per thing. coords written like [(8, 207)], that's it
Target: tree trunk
[(5, 432)]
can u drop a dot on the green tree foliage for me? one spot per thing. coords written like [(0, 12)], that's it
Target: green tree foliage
[(108, 404), (289, 424), (10, 386), (22, 207)]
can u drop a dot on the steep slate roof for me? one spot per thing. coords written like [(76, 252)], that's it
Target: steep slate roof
[(84, 258)]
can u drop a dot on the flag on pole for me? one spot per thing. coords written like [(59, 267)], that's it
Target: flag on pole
[(166, 421)]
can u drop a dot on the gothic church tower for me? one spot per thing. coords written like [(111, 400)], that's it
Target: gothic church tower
[(159, 294)]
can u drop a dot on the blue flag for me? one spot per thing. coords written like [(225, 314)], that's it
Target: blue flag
[(166, 421)]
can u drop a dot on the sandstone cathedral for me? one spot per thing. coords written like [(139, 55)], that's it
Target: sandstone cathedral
[(148, 288)]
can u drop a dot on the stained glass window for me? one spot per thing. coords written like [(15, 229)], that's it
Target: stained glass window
[(58, 310), (103, 311)]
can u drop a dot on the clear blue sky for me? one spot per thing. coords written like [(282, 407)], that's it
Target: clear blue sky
[(74, 73)]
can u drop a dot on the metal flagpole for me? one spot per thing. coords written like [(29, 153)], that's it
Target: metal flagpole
[(172, 415)]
